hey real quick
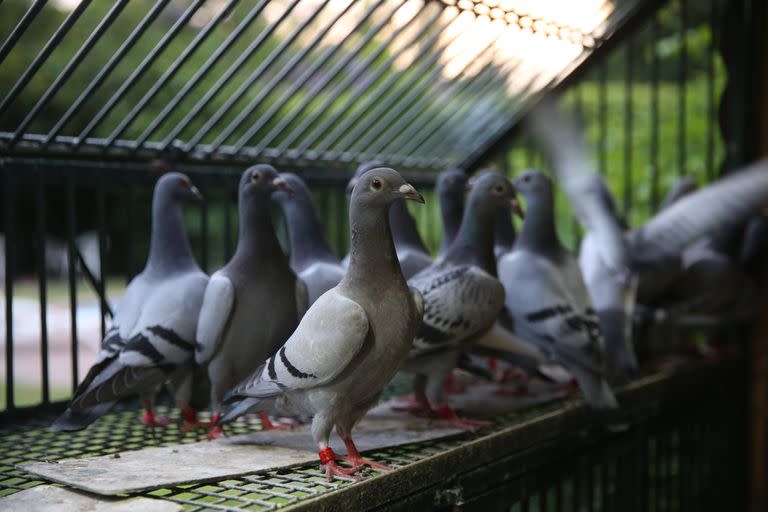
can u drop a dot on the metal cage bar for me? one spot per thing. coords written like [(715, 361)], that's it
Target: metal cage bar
[(169, 73), (326, 123), (324, 81), (299, 82), (252, 79), (225, 78), (137, 73), (71, 66), (214, 58), (105, 71), (20, 28), (43, 55)]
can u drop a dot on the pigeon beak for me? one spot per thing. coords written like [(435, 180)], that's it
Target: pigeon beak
[(195, 193), (470, 183), (516, 208), (408, 192), (280, 184), (351, 185)]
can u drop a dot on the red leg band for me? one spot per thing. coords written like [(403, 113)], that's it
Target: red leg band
[(190, 416), (215, 418), (327, 455)]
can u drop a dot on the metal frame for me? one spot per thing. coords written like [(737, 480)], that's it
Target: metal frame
[(235, 118)]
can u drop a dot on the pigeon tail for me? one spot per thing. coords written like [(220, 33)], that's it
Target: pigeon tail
[(240, 408), (71, 420), (468, 365), (596, 391)]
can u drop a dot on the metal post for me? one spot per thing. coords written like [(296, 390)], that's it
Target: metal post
[(71, 273)]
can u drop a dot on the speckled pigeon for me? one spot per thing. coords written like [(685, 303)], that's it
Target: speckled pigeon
[(353, 338), (462, 297), (411, 251), (546, 296), (311, 256), (253, 303), (152, 339)]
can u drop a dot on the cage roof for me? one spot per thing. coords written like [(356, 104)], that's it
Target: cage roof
[(418, 84)]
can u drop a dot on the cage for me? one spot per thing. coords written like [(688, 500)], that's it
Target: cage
[(99, 98)]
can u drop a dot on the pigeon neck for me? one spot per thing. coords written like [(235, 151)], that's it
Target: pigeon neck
[(504, 231), (451, 211), (257, 241), (305, 233), (474, 241), (372, 256), (538, 232), (169, 248), (404, 229)]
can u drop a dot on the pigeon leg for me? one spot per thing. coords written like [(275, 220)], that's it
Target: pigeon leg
[(332, 470), (417, 403), (216, 431), (453, 386), (520, 381), (266, 423), (447, 416), (357, 460), (149, 419), (190, 420)]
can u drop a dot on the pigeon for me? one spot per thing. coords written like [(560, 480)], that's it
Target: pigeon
[(682, 187), (462, 297), (451, 186), (352, 339), (411, 251), (546, 296), (253, 303), (311, 256), (624, 267), (152, 339)]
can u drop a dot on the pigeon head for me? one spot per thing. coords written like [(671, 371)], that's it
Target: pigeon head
[(493, 191), (362, 169), (177, 186), (534, 186), (452, 184), (261, 180), (294, 188), (382, 186)]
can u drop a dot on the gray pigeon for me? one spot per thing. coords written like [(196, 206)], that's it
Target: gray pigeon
[(682, 187), (546, 296), (451, 186), (352, 340), (462, 297), (311, 255), (621, 266), (253, 303), (152, 339), (411, 251)]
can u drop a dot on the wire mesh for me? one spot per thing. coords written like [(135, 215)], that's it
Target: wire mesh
[(669, 460)]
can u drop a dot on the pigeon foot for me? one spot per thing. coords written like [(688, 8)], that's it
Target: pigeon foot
[(448, 417)]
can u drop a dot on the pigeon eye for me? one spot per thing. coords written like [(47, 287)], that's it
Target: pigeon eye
[(256, 176), (527, 178), (376, 184), (498, 189)]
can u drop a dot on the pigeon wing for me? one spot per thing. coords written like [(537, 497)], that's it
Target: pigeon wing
[(218, 303), (458, 303), (326, 341)]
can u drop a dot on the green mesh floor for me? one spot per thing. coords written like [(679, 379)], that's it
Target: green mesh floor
[(121, 431)]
